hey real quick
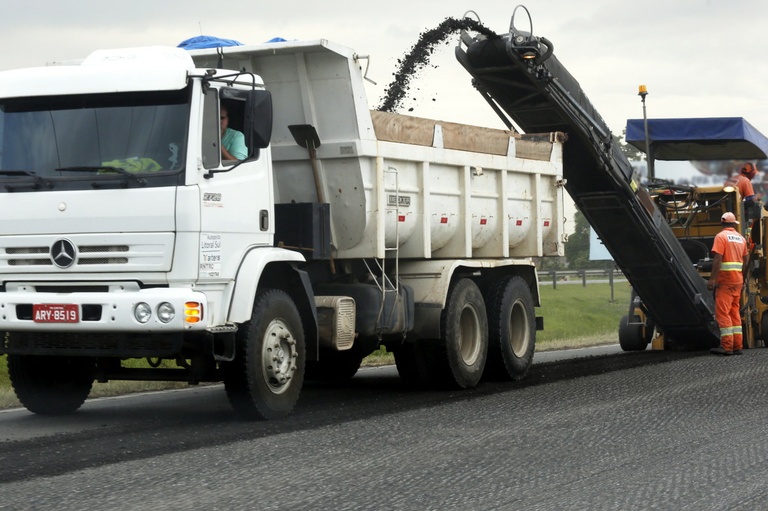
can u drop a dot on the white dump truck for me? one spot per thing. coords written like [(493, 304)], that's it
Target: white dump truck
[(129, 250)]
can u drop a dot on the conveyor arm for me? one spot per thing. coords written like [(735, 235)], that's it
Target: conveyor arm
[(525, 83)]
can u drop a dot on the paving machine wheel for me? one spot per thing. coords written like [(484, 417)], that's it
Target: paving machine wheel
[(633, 334)]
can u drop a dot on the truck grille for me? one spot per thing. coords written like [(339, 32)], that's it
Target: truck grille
[(115, 252), (87, 255)]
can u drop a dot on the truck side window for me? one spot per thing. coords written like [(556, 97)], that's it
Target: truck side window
[(232, 139), (211, 153)]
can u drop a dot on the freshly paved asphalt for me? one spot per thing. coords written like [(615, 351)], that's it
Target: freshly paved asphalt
[(651, 430)]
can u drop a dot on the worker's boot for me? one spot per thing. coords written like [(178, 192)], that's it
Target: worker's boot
[(720, 351)]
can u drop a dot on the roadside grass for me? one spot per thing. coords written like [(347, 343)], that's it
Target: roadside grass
[(574, 317), (577, 316)]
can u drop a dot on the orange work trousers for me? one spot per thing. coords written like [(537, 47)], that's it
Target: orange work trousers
[(727, 304)]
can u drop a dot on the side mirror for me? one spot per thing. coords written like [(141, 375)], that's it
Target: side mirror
[(257, 122)]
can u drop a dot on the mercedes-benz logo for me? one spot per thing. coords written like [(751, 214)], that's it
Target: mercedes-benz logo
[(63, 253)]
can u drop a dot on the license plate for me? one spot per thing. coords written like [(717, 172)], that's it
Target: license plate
[(55, 313)]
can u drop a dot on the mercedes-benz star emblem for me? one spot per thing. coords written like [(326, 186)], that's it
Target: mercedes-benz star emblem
[(63, 253)]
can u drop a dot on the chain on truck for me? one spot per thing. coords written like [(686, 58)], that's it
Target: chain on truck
[(125, 236)]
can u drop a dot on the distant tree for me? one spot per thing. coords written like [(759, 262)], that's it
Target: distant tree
[(631, 152), (550, 263), (577, 246)]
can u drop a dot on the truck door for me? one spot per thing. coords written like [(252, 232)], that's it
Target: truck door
[(236, 195)]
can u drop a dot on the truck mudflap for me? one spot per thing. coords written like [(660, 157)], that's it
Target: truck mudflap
[(523, 81)]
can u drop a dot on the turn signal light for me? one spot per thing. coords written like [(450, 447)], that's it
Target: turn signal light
[(193, 312)]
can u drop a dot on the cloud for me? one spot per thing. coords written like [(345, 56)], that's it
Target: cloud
[(698, 58)]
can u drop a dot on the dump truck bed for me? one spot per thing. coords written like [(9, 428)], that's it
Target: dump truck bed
[(425, 188)]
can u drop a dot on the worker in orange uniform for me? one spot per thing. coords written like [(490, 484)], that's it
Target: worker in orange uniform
[(743, 181), (727, 279)]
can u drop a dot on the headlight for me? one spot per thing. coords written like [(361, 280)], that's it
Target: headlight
[(142, 312), (166, 312)]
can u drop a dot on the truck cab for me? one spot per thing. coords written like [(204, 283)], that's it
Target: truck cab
[(123, 230)]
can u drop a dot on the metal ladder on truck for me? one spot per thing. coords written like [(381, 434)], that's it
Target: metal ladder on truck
[(391, 298)]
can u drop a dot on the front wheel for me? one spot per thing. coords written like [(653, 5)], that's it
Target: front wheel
[(265, 379), (51, 385), (631, 336)]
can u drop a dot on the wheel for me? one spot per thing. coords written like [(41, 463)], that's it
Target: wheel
[(631, 334), (265, 378), (51, 385), (511, 328), (457, 359), (334, 366), (763, 334)]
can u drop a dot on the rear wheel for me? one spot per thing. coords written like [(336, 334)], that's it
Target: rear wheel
[(265, 379), (458, 358), (511, 328), (51, 385), (631, 336)]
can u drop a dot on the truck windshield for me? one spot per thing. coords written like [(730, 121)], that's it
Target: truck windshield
[(90, 141)]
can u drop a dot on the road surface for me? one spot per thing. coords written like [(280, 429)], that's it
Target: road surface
[(651, 430)]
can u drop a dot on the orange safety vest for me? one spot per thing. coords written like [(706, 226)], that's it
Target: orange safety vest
[(742, 184), (733, 247)]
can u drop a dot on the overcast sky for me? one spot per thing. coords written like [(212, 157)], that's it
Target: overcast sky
[(698, 58)]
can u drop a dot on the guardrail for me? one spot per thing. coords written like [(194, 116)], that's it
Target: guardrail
[(585, 276)]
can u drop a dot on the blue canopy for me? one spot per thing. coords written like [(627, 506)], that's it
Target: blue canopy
[(207, 41), (708, 138)]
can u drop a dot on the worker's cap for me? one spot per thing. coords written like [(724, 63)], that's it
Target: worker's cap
[(728, 218), (749, 170)]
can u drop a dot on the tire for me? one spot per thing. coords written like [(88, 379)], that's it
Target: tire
[(334, 366), (631, 334), (763, 334), (511, 329), (457, 359), (51, 385), (265, 379)]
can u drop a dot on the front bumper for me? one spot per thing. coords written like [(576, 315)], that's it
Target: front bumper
[(106, 308)]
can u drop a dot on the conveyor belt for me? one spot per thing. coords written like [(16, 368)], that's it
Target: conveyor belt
[(539, 95)]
